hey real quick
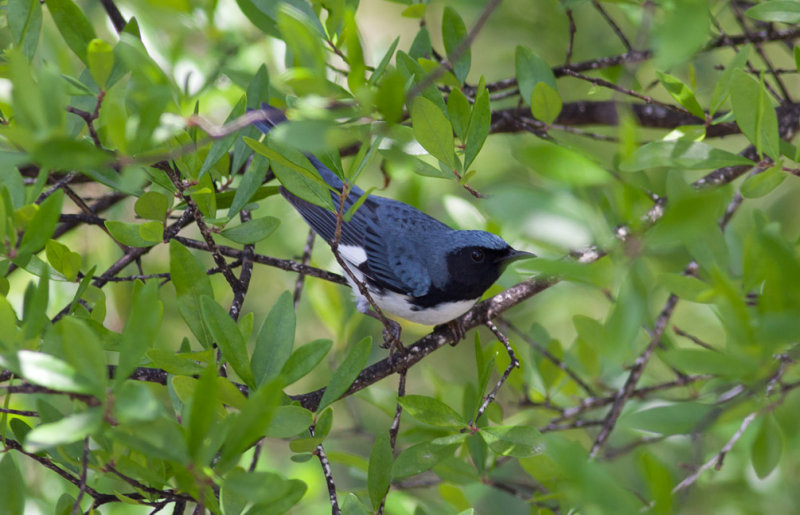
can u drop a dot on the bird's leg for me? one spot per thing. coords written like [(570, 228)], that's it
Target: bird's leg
[(391, 329), (456, 328)]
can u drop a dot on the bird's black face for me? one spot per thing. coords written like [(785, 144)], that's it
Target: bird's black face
[(473, 269)]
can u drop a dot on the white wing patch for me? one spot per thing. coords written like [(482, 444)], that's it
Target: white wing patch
[(353, 254)]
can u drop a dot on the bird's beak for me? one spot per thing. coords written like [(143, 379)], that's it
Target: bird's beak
[(514, 255)]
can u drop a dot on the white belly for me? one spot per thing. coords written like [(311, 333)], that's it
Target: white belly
[(398, 305)]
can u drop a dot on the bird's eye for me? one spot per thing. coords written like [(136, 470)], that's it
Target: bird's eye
[(477, 255)]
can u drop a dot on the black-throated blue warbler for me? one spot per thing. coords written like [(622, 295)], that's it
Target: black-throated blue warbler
[(413, 266)]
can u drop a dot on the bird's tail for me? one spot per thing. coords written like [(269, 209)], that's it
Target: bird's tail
[(274, 117)]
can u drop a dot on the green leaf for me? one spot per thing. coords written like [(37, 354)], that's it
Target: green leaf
[(687, 287), (517, 441), (100, 60), (12, 486), (221, 145), (8, 326), (135, 402), (83, 350), (189, 277), (755, 114), (681, 418), (431, 411), (74, 26), (433, 130), (767, 447), (152, 206), (128, 234), (682, 93), (356, 78), (424, 456), (702, 361), (289, 421), (479, 121), (152, 231), (562, 164), (781, 11), (174, 363), (347, 372), (64, 153), (545, 102), (257, 489), (42, 225), (202, 411), (681, 154), (454, 32), (530, 70), (226, 333), (275, 340), (391, 95), (67, 430), (250, 188), (304, 359), (252, 421), (299, 178), (380, 469), (385, 60), (351, 504), (324, 423), (761, 184), (160, 439), (797, 57), (253, 230), (25, 22), (141, 329), (723, 87), (46, 370), (63, 260), (458, 110)]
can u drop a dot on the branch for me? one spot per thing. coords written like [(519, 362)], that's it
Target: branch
[(283, 264), (113, 13), (478, 315), (513, 363), (716, 461), (319, 452)]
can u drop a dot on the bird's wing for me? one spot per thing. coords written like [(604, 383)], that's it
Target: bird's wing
[(395, 244)]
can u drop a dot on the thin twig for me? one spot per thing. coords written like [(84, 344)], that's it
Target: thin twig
[(547, 354), (638, 368), (245, 274), (283, 264), (113, 13), (394, 429), (304, 259), (513, 363), (76, 508), (572, 30), (613, 24), (716, 461), (319, 452), (465, 43)]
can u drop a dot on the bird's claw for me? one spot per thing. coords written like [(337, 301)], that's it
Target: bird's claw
[(456, 329)]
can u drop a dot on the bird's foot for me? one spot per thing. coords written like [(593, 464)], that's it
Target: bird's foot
[(456, 328), (391, 336)]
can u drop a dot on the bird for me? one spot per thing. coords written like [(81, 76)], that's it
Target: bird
[(413, 266)]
